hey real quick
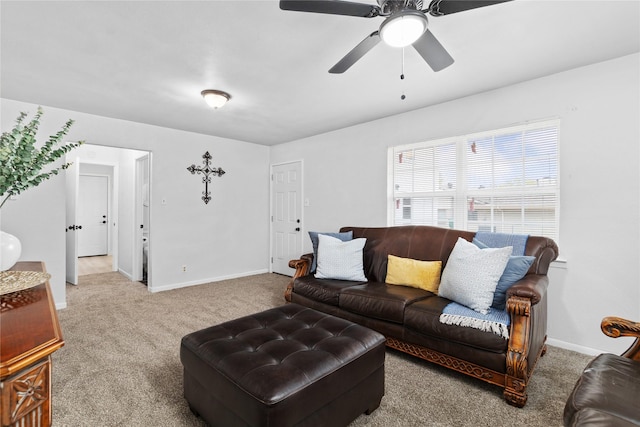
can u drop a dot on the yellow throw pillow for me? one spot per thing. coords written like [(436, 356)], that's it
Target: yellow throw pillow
[(415, 273)]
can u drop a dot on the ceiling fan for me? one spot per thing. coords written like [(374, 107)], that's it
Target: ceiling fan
[(405, 24)]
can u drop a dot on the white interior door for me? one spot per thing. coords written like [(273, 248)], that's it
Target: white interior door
[(286, 216), (71, 177), (93, 209)]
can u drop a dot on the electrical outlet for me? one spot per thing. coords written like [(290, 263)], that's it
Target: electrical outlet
[(184, 268)]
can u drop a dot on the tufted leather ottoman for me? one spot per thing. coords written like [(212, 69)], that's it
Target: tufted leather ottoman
[(287, 366)]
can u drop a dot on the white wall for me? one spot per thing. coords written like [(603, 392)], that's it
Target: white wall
[(345, 180), (126, 211), (229, 237)]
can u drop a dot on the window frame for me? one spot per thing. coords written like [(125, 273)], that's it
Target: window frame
[(461, 193)]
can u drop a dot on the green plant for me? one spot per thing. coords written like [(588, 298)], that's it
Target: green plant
[(21, 163)]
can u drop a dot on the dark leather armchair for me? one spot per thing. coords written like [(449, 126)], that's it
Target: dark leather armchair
[(608, 391)]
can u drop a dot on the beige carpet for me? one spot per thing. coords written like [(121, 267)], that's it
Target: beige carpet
[(120, 364)]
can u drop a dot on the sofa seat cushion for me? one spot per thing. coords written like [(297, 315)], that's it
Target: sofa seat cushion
[(381, 301), (606, 393), (424, 317), (321, 290)]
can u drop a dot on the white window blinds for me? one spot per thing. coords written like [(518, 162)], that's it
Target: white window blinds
[(504, 181)]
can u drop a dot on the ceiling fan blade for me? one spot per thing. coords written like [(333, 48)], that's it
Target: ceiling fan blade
[(356, 53), (447, 7), (433, 52), (332, 7)]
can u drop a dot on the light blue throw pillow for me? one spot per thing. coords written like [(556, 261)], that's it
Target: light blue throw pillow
[(516, 269), (345, 237), (340, 260)]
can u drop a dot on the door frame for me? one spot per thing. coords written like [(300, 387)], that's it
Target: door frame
[(72, 178), (114, 224), (271, 213)]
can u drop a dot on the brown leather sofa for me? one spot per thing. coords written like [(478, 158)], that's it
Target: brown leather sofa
[(608, 391), (409, 317)]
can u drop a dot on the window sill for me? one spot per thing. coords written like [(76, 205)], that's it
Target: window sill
[(559, 263)]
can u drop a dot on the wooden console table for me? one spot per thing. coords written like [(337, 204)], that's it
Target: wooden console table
[(29, 334)]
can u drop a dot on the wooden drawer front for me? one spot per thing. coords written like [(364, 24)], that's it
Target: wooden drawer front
[(25, 397)]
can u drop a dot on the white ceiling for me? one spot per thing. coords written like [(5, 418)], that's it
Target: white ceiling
[(148, 61)]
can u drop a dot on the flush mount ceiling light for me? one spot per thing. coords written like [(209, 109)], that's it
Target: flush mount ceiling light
[(215, 98), (403, 28)]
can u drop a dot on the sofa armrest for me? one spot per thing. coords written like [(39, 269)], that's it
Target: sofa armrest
[(532, 287), (302, 267), (527, 308), (618, 327)]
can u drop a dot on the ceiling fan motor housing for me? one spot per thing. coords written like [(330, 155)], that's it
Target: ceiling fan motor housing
[(390, 7)]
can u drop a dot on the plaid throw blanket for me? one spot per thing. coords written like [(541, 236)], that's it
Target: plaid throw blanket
[(496, 321)]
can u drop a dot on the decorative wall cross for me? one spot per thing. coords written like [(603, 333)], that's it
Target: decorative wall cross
[(207, 172)]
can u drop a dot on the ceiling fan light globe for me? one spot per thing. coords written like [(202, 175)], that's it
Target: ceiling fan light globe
[(404, 28), (215, 98)]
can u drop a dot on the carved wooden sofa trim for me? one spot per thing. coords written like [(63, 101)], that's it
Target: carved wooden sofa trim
[(615, 327)]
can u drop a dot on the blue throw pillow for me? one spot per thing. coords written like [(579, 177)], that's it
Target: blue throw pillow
[(516, 268), (345, 237)]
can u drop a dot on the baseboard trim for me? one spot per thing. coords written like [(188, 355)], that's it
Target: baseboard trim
[(125, 274), (169, 287), (61, 306), (574, 347)]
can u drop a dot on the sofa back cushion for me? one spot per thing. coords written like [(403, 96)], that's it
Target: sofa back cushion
[(427, 243), (417, 242)]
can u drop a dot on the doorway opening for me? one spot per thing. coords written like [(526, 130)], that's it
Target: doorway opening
[(143, 217), (106, 188)]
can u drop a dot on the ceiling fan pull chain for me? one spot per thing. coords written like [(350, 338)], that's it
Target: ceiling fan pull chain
[(402, 75)]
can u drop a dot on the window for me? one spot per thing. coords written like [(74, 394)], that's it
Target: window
[(504, 181)]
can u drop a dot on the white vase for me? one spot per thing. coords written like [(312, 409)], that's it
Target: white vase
[(10, 249)]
